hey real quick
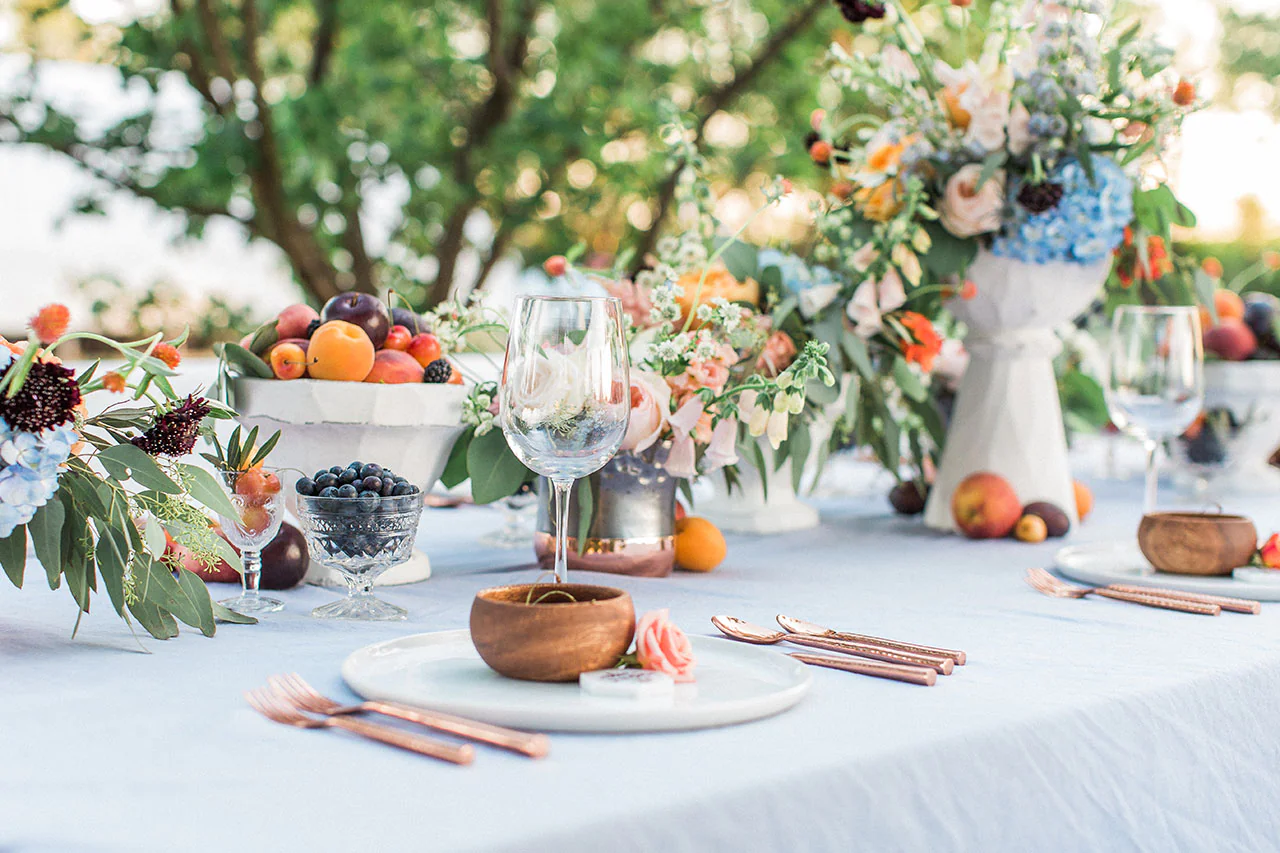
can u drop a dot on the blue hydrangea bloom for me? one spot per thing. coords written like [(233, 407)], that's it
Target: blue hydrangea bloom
[(1085, 225), (29, 464), (796, 274)]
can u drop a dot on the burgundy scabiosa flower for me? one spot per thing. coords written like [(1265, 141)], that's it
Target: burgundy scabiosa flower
[(174, 432), (47, 398), (857, 11), (1037, 198)]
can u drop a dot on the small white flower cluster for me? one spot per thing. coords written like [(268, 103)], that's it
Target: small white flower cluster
[(720, 312), (478, 408)]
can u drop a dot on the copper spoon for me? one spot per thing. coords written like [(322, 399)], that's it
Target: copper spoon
[(749, 633), (800, 626)]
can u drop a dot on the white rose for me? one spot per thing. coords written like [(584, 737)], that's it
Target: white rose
[(968, 210), (1019, 135), (548, 387)]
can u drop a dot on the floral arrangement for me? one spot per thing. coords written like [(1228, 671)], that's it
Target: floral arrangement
[(95, 494), (709, 372)]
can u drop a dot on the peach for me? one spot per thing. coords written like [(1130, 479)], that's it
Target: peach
[(392, 367), (292, 322), (1228, 305), (455, 378), (288, 361), (425, 348), (340, 351), (985, 506), (179, 555), (1231, 339), (398, 338)]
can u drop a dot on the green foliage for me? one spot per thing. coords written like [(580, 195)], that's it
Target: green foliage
[(539, 115)]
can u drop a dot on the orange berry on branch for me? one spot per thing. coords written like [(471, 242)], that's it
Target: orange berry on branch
[(1184, 94), (820, 152), (50, 322)]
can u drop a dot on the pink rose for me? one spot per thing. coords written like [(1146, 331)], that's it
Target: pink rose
[(968, 210), (650, 407), (710, 373), (778, 353), (635, 301), (663, 647)]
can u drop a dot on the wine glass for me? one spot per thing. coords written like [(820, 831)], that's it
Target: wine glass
[(565, 393), (516, 529), (259, 511), (1155, 377)]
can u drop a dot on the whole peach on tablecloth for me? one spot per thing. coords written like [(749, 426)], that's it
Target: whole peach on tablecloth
[(985, 506)]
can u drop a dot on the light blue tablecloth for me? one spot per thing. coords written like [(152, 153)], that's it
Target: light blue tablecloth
[(1077, 725)]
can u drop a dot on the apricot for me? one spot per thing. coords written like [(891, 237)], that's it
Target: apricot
[(392, 367), (1228, 304), (340, 351), (1231, 339), (288, 361)]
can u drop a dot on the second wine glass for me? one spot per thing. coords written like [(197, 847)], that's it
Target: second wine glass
[(565, 396), (1155, 377)]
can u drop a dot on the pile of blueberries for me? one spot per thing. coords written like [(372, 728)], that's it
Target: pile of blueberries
[(369, 483)]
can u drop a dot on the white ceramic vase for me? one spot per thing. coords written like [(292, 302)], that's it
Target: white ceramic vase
[(1007, 418), (409, 428)]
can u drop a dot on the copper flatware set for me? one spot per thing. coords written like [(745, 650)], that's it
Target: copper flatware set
[(1148, 596), (292, 701)]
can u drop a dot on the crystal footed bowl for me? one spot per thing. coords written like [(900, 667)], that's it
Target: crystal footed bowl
[(361, 538)]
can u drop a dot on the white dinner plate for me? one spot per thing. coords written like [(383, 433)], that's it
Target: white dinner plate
[(1114, 562), (443, 672)]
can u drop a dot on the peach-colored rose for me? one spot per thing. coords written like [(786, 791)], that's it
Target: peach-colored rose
[(710, 373), (1019, 132), (650, 408), (968, 210), (635, 301), (663, 647), (778, 353)]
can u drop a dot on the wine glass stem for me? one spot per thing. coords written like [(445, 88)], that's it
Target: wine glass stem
[(562, 488), (1153, 477), (252, 560)]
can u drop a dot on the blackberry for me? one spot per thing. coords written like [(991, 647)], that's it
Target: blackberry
[(1037, 198), (312, 326), (438, 371), (857, 11)]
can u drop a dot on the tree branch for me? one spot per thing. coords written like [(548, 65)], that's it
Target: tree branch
[(353, 239), (717, 100), (326, 35), (217, 42)]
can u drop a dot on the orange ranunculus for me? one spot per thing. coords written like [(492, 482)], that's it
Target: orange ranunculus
[(1158, 259), (956, 114), (880, 203), (885, 157), (927, 344), (1128, 235), (113, 382), (51, 322), (168, 354), (719, 282), (1184, 94)]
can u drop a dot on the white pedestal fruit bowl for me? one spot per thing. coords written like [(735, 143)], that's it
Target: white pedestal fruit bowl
[(409, 428), (1007, 418)]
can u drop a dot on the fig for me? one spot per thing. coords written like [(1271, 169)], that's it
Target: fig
[(907, 498), (285, 559), (1055, 520)]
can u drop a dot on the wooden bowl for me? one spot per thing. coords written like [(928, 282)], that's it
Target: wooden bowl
[(556, 639), (1197, 543)]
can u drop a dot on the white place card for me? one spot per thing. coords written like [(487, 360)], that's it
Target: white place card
[(627, 684)]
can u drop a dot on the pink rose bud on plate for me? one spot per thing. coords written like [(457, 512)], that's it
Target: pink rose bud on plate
[(662, 647), (627, 684), (1270, 552)]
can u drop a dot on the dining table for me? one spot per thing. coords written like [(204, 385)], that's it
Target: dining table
[(1075, 725)]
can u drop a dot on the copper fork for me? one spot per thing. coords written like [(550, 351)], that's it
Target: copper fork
[(308, 698), (273, 707), (1042, 581)]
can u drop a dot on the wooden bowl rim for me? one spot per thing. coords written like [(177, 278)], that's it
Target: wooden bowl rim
[(1189, 517), (602, 594)]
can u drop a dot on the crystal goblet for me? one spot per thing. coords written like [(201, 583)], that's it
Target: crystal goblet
[(259, 513), (360, 538)]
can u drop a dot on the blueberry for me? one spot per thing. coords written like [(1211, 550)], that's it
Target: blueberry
[(317, 475), (400, 479), (329, 492), (327, 502), (347, 476), (371, 470), (369, 501), (336, 469), (327, 479), (402, 489), (387, 485), (347, 491), (370, 484), (305, 486), (355, 465)]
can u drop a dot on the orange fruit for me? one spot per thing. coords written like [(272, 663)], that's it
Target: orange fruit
[(1084, 499), (1228, 304), (700, 545), (340, 351), (253, 482)]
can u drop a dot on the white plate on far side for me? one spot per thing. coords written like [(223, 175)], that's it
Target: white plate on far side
[(443, 672), (1109, 563)]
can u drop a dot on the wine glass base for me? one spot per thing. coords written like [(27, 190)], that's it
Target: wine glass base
[(251, 604), (507, 539), (363, 608)]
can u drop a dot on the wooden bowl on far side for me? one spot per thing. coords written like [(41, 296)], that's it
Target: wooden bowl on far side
[(556, 639), (1197, 543)]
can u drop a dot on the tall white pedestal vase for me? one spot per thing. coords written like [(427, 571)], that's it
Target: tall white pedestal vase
[(1007, 418)]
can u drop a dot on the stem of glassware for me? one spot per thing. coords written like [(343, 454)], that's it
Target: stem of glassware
[(1153, 480), (562, 488), (252, 560)]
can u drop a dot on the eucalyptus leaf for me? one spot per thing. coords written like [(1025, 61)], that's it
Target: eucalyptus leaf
[(800, 442), (13, 554), (908, 381), (155, 621), (124, 462), (243, 362), (112, 555), (153, 537), (207, 490), (586, 511), (495, 471), (455, 469), (222, 613), (46, 536), (740, 259)]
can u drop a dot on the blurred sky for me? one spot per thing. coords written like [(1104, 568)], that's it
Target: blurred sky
[(1222, 157)]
